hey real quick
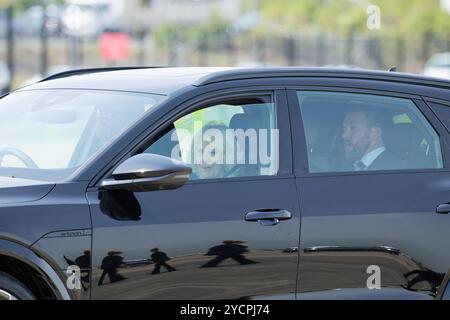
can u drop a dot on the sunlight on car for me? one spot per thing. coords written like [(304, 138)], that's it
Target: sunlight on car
[(61, 129)]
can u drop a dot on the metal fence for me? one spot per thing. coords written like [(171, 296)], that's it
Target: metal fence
[(33, 55)]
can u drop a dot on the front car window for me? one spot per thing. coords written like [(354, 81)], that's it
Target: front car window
[(47, 134), (359, 132), (236, 138)]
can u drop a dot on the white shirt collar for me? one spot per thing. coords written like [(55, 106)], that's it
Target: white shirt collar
[(370, 157)]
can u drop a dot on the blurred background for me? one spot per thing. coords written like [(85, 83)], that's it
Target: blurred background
[(42, 37)]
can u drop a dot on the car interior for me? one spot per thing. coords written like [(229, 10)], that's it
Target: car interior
[(404, 134), (243, 114)]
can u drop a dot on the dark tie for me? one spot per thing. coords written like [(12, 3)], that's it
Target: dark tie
[(359, 166)]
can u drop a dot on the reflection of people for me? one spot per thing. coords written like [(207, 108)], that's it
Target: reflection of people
[(229, 249), (84, 262), (160, 259), (364, 143), (110, 263)]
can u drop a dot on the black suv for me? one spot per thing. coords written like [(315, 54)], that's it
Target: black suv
[(224, 183)]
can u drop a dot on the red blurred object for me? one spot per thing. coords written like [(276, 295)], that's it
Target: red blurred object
[(114, 46)]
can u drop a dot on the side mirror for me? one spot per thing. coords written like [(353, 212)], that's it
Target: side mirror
[(148, 172)]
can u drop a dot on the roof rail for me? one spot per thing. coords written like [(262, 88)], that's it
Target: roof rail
[(75, 72), (253, 73)]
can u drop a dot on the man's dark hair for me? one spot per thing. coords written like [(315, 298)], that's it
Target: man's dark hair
[(373, 119)]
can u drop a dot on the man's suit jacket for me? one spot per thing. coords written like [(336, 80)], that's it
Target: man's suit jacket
[(387, 161)]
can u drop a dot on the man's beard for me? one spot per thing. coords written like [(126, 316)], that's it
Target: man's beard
[(359, 148), (356, 152)]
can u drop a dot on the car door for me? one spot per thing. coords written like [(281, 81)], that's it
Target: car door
[(375, 231), (231, 231)]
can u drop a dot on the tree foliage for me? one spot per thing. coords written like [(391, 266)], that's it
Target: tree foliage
[(21, 5), (398, 18)]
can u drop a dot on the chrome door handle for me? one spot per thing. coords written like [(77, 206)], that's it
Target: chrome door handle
[(443, 208), (268, 217)]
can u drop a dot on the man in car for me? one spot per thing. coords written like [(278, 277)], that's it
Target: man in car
[(364, 145)]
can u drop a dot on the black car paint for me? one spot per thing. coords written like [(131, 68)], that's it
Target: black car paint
[(372, 209), (59, 220), (34, 225), (209, 214)]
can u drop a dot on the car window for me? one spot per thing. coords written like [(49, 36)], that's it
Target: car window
[(49, 133), (358, 132), (230, 139)]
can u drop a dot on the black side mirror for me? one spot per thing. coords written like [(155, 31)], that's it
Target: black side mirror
[(147, 172)]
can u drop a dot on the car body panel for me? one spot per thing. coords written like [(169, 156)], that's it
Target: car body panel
[(47, 226), (16, 190), (346, 215), (33, 260), (188, 229), (201, 226)]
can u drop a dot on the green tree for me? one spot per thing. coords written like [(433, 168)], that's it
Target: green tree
[(21, 5), (412, 18)]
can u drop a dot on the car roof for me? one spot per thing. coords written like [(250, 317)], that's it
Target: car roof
[(137, 79), (167, 80)]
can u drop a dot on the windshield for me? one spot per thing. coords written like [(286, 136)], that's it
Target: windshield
[(48, 134)]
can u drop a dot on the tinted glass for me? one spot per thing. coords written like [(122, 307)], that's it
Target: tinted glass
[(49, 133), (224, 140), (358, 132)]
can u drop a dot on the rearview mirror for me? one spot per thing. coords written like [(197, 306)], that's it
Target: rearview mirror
[(147, 172)]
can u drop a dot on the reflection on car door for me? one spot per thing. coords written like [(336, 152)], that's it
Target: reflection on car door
[(370, 230), (194, 242)]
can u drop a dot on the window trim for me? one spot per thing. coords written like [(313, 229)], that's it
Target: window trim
[(277, 96), (301, 161), (446, 105)]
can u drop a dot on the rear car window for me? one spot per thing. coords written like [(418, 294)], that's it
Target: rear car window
[(359, 132)]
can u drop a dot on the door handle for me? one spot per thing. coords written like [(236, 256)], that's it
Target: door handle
[(268, 217), (443, 208)]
